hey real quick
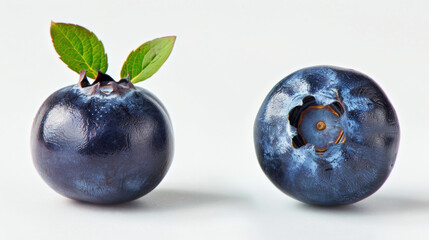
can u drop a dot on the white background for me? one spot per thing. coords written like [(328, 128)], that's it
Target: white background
[(227, 57)]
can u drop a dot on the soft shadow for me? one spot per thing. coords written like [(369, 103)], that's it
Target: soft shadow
[(127, 206), (395, 204), (351, 208), (376, 205), (167, 199), (178, 199)]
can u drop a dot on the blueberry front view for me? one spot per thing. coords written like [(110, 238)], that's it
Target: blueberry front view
[(106, 142), (103, 141), (327, 136)]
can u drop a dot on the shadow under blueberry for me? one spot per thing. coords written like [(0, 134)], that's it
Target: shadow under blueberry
[(167, 199), (376, 205), (342, 209)]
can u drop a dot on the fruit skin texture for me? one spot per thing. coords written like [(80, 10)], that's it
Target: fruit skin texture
[(347, 172), (100, 147)]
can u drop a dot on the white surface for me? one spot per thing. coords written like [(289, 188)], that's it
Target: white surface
[(228, 55)]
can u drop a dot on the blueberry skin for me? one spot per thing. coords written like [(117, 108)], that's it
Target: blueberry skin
[(347, 172), (102, 148)]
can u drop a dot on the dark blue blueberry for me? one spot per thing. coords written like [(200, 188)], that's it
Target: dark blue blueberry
[(106, 142), (327, 136)]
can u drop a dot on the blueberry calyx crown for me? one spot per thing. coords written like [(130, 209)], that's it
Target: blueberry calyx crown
[(317, 124), (104, 84)]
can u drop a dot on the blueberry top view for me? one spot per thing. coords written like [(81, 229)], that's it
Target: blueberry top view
[(327, 136)]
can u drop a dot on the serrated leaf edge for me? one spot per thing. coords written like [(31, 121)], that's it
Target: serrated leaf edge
[(93, 71)]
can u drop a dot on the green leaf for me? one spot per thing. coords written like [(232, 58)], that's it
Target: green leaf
[(79, 48), (145, 61)]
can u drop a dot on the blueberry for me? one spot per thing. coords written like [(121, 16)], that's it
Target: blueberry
[(327, 136), (106, 142)]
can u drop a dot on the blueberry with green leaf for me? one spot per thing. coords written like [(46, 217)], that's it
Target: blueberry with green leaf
[(103, 141)]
